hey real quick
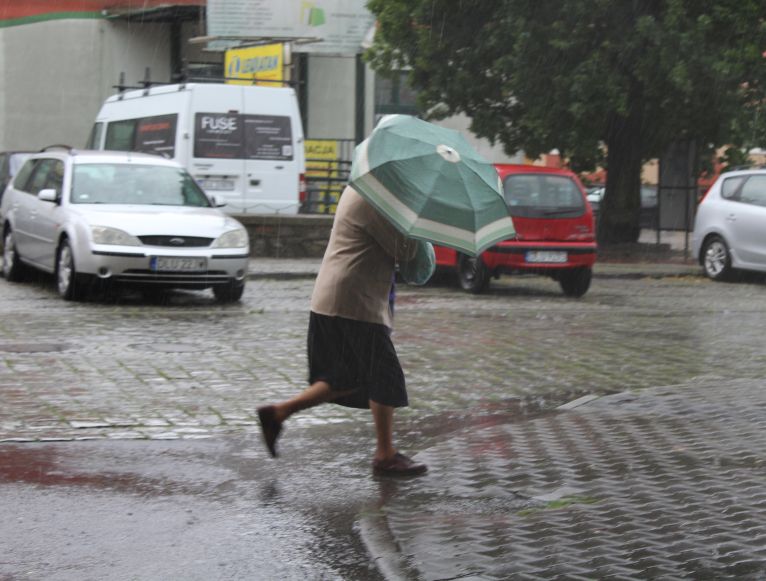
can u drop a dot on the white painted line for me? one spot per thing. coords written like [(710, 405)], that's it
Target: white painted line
[(578, 402)]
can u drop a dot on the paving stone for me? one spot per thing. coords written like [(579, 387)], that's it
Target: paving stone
[(657, 472), (663, 511)]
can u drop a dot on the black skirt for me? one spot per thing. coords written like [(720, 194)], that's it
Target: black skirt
[(355, 356)]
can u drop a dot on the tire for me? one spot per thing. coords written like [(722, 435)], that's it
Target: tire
[(13, 269), (472, 273), (230, 292), (575, 282), (67, 278), (716, 259)]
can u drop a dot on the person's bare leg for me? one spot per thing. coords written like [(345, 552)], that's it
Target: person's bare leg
[(317, 393), (387, 461), (273, 416), (383, 417)]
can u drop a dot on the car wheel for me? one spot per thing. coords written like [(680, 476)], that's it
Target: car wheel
[(13, 268), (716, 259), (230, 292), (472, 273), (575, 282), (66, 273)]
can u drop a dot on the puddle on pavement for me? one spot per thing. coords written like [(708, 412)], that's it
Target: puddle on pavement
[(47, 466), (35, 347), (170, 347), (489, 414)]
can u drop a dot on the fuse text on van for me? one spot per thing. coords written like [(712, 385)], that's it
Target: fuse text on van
[(218, 124)]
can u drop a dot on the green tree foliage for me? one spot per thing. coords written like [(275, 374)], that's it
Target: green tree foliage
[(584, 76)]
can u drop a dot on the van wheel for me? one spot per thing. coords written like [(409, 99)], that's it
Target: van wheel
[(230, 292), (472, 273), (13, 269), (575, 282)]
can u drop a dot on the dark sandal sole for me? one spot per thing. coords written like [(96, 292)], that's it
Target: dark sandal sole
[(270, 428)]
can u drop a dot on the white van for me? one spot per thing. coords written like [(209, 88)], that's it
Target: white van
[(243, 144)]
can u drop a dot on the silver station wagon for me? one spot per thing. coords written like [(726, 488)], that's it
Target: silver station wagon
[(128, 218)]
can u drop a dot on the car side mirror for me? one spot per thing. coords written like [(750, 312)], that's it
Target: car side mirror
[(47, 195)]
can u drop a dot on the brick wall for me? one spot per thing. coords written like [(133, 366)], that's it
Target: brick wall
[(296, 236)]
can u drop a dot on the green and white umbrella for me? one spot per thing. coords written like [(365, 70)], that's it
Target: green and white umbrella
[(431, 184)]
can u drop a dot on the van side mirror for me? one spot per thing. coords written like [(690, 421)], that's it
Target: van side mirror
[(48, 195), (216, 201)]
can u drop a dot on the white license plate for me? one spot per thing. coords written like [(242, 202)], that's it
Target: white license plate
[(219, 185), (177, 264), (546, 256)]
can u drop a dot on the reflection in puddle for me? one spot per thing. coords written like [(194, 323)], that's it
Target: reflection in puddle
[(48, 467)]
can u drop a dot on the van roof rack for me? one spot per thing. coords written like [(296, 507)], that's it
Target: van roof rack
[(240, 80), (147, 83)]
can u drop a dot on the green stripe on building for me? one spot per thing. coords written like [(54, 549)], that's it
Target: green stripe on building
[(89, 15)]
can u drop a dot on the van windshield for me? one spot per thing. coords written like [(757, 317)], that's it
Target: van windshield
[(122, 183), (236, 136), (543, 196)]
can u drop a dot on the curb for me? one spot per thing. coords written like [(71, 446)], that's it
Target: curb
[(639, 273), (280, 275), (385, 553)]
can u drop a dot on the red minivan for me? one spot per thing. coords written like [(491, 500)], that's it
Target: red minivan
[(555, 233)]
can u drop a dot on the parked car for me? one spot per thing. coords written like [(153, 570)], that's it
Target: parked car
[(555, 233), (648, 217), (130, 218), (730, 224), (10, 162)]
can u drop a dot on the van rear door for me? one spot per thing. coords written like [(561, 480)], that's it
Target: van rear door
[(273, 149), (218, 136), (248, 147)]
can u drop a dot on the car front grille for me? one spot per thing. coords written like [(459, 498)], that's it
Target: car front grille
[(181, 278), (176, 241)]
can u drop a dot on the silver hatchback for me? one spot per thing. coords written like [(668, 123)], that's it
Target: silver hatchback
[(730, 225), (130, 218)]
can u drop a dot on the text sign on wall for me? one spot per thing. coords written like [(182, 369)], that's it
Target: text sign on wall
[(341, 24), (265, 64)]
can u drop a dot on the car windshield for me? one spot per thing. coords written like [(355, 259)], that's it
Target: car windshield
[(135, 184), (543, 196)]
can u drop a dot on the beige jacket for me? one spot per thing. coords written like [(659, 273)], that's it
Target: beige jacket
[(358, 265)]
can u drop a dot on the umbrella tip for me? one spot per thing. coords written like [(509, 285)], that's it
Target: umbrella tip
[(448, 153)]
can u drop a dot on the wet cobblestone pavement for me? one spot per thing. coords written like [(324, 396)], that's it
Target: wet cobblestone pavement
[(664, 484), (659, 474)]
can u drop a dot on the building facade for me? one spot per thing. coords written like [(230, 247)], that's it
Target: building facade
[(60, 59)]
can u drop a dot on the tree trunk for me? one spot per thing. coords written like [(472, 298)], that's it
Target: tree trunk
[(621, 207)]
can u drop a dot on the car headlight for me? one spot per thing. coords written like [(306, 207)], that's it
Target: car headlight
[(106, 235), (232, 239)]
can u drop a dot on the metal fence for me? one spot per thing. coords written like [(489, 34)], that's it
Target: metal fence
[(328, 164)]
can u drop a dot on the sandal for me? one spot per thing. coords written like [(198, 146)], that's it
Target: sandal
[(270, 427), (399, 465)]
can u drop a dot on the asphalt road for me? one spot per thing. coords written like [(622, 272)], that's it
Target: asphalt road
[(128, 441)]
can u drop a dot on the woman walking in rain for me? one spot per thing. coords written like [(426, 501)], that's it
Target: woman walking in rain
[(431, 183), (352, 360)]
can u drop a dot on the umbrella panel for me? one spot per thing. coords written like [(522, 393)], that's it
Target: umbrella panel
[(452, 199)]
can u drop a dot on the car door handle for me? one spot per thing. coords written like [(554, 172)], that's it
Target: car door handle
[(731, 218)]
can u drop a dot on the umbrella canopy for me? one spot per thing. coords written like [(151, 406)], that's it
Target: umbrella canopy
[(431, 184)]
